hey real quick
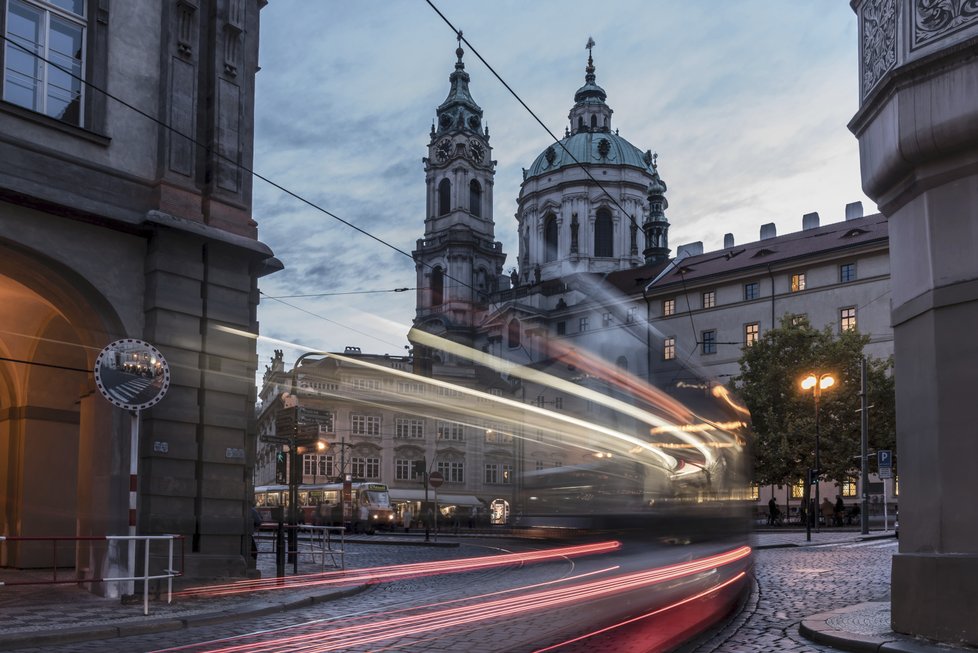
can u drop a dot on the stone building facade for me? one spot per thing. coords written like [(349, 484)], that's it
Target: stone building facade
[(128, 216)]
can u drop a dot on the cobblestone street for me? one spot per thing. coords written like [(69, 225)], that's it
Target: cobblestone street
[(796, 582)]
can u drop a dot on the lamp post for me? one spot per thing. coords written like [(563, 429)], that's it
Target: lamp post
[(816, 383)]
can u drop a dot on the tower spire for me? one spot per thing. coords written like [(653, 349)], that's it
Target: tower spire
[(459, 110), (656, 227)]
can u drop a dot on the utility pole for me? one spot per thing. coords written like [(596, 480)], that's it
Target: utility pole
[(864, 442)]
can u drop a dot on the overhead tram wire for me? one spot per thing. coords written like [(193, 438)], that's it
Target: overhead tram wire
[(336, 294), (556, 140), (226, 159), (326, 319)]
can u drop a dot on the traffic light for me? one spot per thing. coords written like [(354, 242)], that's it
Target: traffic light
[(813, 475), (280, 467)]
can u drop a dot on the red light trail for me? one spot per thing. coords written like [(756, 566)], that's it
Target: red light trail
[(398, 572), (428, 621)]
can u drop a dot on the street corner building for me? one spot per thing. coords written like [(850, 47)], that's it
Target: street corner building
[(126, 142)]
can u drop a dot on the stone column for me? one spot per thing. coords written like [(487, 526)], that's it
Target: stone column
[(917, 127)]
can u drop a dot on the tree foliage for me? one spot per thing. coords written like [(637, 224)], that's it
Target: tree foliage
[(783, 414)]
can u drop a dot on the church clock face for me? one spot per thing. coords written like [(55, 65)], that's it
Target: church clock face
[(443, 150), (476, 150)]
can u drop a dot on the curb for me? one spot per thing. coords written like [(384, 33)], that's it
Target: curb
[(15, 641), (789, 545)]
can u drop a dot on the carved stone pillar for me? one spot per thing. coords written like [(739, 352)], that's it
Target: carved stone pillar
[(917, 127)]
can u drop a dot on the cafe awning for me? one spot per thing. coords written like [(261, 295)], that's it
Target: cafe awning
[(398, 494)]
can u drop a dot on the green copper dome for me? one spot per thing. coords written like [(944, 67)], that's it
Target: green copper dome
[(590, 148)]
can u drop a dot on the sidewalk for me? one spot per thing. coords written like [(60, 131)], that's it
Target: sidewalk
[(36, 616), (864, 627)]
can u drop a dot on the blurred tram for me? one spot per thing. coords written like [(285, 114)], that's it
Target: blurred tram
[(321, 504)]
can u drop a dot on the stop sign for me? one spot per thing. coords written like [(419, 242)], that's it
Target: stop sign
[(435, 479)]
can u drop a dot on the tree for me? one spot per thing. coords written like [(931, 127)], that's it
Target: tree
[(783, 415)]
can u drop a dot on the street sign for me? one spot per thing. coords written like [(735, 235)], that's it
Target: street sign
[(884, 460), (275, 439), (435, 479), (285, 423)]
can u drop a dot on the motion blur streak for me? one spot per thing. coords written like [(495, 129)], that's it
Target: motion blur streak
[(428, 621), (397, 572), (308, 624), (627, 622)]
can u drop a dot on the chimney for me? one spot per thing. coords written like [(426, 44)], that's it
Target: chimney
[(768, 230), (690, 249), (854, 210), (728, 241), (809, 221)]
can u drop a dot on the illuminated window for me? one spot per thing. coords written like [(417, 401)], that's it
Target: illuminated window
[(751, 333), (755, 491), (800, 319), (709, 299), (668, 307), (849, 487), (405, 427), (847, 318), (55, 31), (798, 490), (709, 341), (798, 282), (496, 436), (669, 348), (847, 272), (752, 290)]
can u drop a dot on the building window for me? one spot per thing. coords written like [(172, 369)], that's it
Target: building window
[(800, 319), (668, 307), (669, 348), (402, 469), (499, 473), (630, 315), (606, 319), (317, 465), (54, 31), (361, 467), (709, 299), (550, 238), (847, 318), (365, 384), (751, 332), (798, 490), (849, 486), (496, 436), (561, 328), (444, 197), (603, 234), (538, 465), (710, 341), (622, 363), (454, 472), (437, 286), (755, 491), (847, 272), (405, 427), (451, 431), (513, 335), (475, 198), (364, 424), (798, 282), (582, 324), (410, 387), (752, 290)]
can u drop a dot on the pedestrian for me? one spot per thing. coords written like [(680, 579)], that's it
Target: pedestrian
[(407, 516), (772, 512), (828, 511), (840, 509)]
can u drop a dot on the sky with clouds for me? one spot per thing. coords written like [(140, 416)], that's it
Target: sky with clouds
[(746, 104)]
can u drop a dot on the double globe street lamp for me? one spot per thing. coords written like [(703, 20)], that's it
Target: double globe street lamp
[(816, 383)]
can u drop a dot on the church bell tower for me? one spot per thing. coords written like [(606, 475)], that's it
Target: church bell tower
[(458, 261)]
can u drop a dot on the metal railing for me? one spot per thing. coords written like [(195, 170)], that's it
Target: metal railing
[(168, 573), (316, 542)]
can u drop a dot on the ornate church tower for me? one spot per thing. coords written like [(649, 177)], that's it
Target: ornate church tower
[(458, 261), (656, 227)]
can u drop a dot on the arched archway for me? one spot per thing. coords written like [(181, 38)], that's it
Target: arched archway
[(63, 469)]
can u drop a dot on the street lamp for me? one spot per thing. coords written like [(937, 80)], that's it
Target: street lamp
[(816, 383)]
